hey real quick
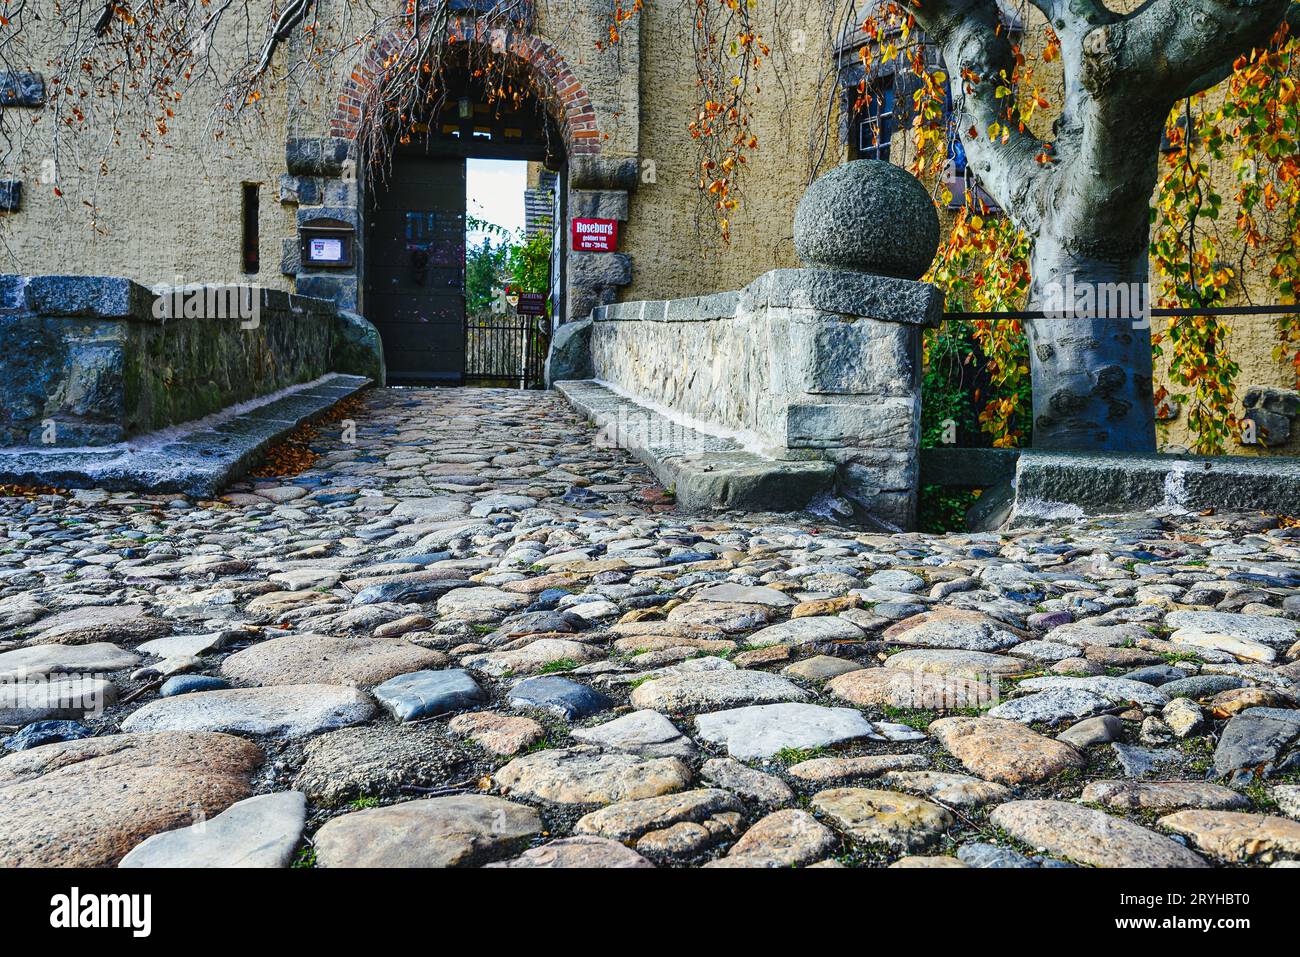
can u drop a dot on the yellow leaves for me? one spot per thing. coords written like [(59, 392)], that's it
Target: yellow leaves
[(1052, 51), (983, 266)]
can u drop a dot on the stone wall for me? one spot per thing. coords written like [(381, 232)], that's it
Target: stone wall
[(94, 360), (812, 364)]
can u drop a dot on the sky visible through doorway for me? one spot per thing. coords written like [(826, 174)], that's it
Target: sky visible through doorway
[(494, 191)]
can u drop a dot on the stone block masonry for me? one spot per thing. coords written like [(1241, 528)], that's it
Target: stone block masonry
[(802, 364), (93, 360), (819, 364)]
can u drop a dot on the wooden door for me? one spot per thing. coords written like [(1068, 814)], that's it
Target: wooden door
[(415, 268)]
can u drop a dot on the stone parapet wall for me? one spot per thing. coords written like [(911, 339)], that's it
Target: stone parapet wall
[(94, 360), (808, 364)]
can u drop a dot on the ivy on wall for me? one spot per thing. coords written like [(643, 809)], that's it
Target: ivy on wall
[(983, 266), (1253, 133)]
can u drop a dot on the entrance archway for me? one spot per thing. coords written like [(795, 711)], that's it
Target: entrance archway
[(412, 265)]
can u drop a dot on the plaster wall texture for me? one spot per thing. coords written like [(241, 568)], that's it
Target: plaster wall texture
[(162, 214), (674, 243)]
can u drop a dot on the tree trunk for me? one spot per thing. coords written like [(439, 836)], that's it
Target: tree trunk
[(1091, 376), (1087, 210)]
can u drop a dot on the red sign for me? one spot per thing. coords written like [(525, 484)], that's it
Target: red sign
[(531, 304), (595, 235)]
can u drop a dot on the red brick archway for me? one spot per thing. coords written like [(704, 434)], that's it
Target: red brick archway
[(558, 87)]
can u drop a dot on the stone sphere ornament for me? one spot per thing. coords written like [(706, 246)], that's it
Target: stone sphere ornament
[(867, 216)]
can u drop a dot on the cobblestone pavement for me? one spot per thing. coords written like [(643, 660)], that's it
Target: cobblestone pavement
[(473, 636)]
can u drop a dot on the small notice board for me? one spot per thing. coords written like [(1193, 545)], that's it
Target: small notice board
[(595, 235)]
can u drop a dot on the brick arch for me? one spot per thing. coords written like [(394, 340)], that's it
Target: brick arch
[(562, 93)]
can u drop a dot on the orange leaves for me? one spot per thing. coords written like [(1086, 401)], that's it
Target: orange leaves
[(1257, 126), (728, 52), (983, 266), (1052, 50)]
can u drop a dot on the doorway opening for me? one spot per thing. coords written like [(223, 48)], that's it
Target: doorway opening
[(463, 242)]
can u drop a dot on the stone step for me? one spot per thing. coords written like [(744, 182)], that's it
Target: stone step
[(197, 458), (704, 470), (1049, 485), (1067, 484)]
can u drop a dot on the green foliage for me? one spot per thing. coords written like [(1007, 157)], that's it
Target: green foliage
[(789, 756), (942, 509), (512, 260), (921, 718), (306, 859), (952, 389), (485, 271), (947, 385), (529, 263)]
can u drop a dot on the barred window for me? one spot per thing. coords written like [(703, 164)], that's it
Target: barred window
[(876, 121)]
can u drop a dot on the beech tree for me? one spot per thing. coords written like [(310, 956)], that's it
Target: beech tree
[(1083, 199)]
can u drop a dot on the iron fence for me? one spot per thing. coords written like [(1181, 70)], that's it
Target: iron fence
[(507, 351)]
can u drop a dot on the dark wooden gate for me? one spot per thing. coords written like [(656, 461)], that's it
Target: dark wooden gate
[(507, 351), (415, 268)]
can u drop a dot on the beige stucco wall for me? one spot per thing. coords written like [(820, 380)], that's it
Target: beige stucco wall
[(675, 245), (154, 213)]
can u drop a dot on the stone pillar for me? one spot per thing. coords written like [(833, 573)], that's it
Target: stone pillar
[(598, 188), (322, 182), (866, 232)]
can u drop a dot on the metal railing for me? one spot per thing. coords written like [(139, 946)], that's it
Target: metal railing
[(1161, 312), (507, 351)]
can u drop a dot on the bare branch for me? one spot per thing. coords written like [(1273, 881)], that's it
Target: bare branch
[(293, 15), (105, 19), (1075, 17)]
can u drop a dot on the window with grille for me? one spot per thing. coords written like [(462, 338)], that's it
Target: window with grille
[(876, 121)]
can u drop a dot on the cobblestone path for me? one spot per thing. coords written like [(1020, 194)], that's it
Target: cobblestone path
[(469, 635)]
